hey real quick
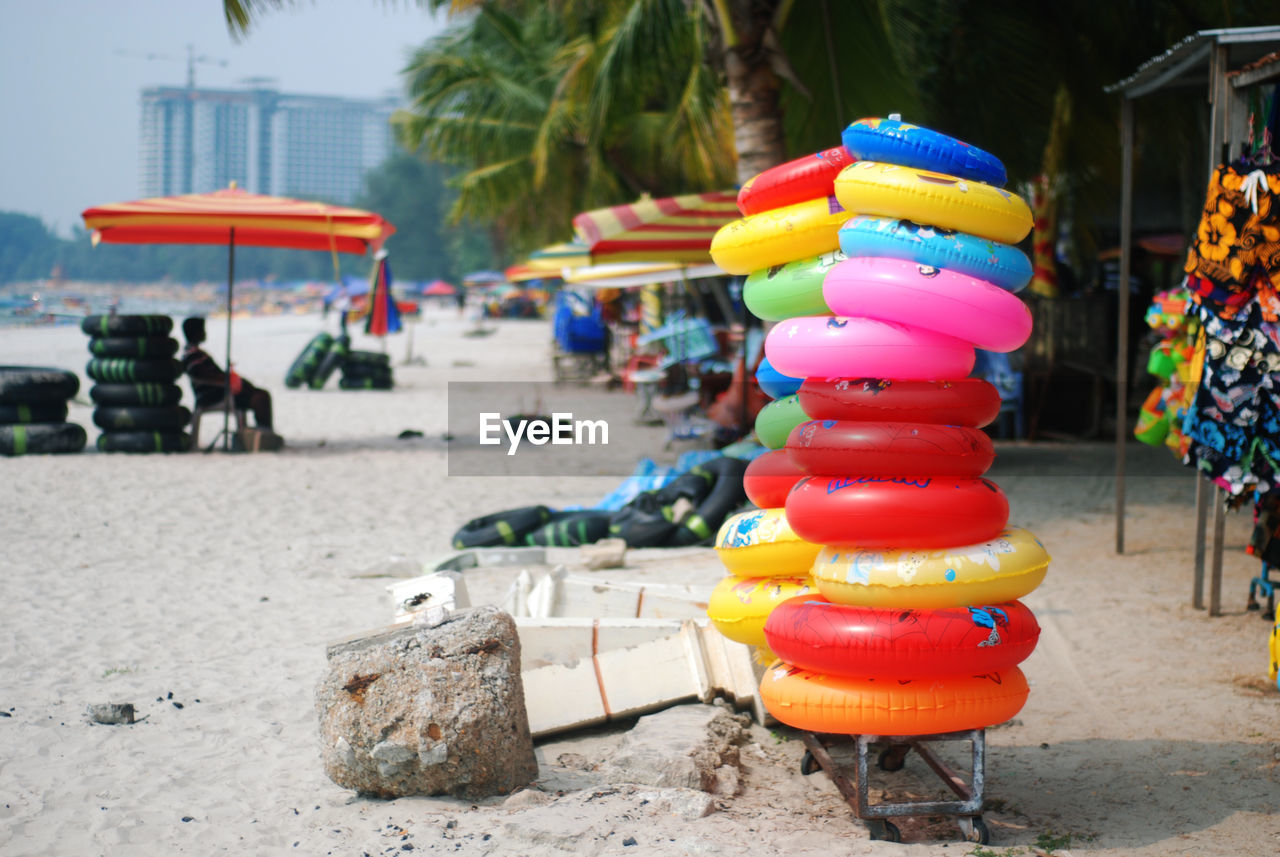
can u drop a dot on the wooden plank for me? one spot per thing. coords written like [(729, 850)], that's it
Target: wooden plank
[(576, 595), (440, 590), (695, 663)]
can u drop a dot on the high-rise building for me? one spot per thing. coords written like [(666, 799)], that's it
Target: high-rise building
[(308, 146)]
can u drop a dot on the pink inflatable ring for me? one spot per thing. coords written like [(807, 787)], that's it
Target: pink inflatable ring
[(931, 298), (827, 346)]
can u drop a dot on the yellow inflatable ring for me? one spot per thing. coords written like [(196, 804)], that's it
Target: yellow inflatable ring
[(1003, 569), (739, 606), (762, 544), (779, 235), (888, 190)]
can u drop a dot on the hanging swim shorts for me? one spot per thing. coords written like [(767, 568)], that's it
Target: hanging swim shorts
[(1236, 251)]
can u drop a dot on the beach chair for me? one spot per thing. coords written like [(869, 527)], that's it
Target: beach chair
[(223, 407)]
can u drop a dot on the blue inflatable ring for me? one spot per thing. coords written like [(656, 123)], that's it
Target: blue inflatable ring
[(891, 141), (1002, 265), (774, 384)]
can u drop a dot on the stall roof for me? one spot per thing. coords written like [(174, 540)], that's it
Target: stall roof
[(1186, 64)]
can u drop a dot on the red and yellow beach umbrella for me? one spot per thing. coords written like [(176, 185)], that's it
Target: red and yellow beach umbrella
[(672, 229)]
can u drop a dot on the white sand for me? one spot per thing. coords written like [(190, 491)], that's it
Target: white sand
[(218, 579)]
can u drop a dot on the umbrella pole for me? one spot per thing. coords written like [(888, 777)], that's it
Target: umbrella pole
[(231, 279)]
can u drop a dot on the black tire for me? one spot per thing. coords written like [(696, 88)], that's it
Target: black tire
[(569, 529), (37, 412), (726, 494), (367, 358), (42, 439), (501, 529), (146, 395), (171, 419), (144, 441), (25, 385), (366, 370), (643, 523), (346, 383), (127, 325), (302, 368), (122, 370), (331, 363), (137, 347)]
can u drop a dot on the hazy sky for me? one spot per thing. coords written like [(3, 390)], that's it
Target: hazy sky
[(71, 72)]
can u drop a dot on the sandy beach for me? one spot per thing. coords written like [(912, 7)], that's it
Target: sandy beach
[(204, 588)]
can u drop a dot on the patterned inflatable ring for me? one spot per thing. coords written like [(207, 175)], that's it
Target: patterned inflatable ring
[(789, 290), (779, 235), (895, 142), (1000, 264), (762, 544), (887, 190), (892, 642), (1004, 568), (865, 347), (770, 477), (740, 606)]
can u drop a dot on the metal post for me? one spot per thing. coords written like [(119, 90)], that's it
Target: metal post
[(1122, 297), (1215, 572), (1202, 514), (231, 280)]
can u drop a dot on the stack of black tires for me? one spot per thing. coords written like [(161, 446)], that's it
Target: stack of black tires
[(366, 370), (324, 355), (135, 392), (33, 411)]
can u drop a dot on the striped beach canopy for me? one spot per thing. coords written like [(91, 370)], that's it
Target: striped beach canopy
[(258, 221), (671, 229)]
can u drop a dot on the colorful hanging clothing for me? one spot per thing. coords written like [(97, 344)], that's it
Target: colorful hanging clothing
[(1236, 252)]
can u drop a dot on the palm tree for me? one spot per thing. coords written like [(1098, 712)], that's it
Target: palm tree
[(511, 101)]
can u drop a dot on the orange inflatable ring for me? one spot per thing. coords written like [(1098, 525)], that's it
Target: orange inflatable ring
[(890, 642), (762, 544), (875, 706), (740, 606)]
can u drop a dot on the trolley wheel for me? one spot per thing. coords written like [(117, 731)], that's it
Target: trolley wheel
[(893, 758), (976, 830), (884, 831), (808, 764)]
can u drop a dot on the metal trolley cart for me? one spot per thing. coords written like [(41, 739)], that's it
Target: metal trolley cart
[(967, 811)]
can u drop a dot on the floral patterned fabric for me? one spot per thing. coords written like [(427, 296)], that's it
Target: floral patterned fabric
[(1235, 256)]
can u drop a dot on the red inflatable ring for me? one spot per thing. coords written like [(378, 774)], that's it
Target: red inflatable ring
[(896, 512), (817, 702), (888, 642), (835, 447), (770, 477), (962, 402), (795, 181)]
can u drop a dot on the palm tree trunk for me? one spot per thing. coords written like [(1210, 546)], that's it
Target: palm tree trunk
[(752, 85)]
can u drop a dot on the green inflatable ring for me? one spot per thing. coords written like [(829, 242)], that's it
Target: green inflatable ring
[(790, 290), (776, 420)]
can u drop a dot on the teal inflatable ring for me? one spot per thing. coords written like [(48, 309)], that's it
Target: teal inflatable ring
[(776, 420), (790, 290), (1001, 265)]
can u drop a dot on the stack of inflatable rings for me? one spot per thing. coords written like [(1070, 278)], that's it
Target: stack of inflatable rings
[(789, 232), (918, 629)]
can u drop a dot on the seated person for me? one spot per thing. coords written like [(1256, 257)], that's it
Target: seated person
[(209, 382)]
